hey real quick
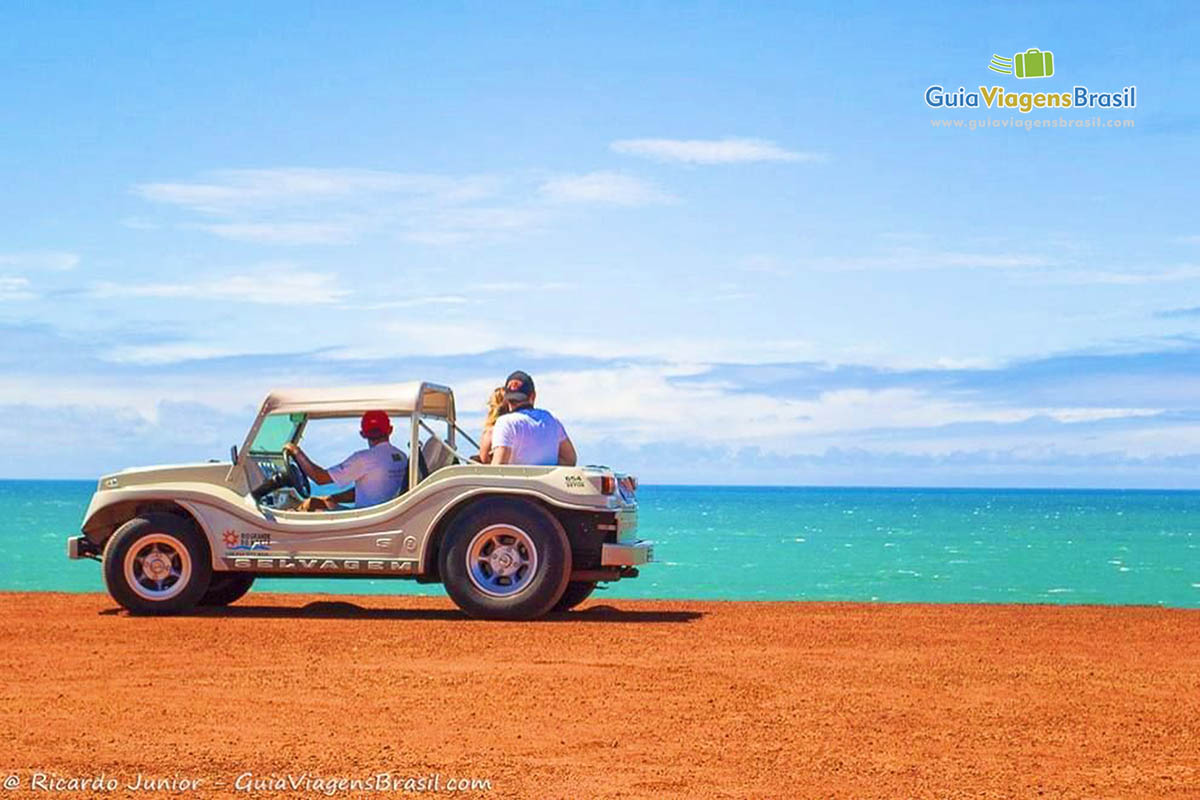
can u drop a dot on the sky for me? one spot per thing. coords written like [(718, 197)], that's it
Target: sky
[(731, 242)]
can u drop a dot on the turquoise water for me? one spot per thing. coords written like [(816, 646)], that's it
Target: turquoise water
[(892, 545)]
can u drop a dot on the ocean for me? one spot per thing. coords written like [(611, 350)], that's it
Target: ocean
[(766, 543)]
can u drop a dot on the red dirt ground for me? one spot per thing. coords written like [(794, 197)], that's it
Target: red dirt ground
[(629, 700)]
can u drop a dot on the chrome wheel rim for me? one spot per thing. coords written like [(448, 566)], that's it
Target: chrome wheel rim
[(157, 567), (501, 560)]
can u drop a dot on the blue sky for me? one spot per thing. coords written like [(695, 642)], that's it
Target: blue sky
[(727, 241)]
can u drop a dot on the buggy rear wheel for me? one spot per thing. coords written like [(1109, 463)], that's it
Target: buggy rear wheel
[(576, 593), (506, 559)]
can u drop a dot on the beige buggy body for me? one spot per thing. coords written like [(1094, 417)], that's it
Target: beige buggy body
[(508, 542)]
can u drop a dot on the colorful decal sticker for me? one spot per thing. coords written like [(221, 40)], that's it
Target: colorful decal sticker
[(247, 542)]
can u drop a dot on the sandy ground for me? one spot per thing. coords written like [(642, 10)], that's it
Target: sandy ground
[(625, 699)]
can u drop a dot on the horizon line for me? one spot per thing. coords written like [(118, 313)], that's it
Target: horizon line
[(866, 486)]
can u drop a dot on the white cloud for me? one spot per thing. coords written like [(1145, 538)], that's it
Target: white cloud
[(40, 261), (641, 404), (434, 339), (446, 226), (1096, 414), (710, 151), (719, 293), (142, 392), (902, 259), (235, 190), (283, 232), (280, 284), (609, 188), (413, 302), (764, 265), (1042, 269), (1184, 272), (301, 206), (140, 224), (908, 258), (626, 399), (522, 286), (988, 260), (12, 289), (168, 353), (679, 350)]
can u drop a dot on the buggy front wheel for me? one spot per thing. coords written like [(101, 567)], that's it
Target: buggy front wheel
[(157, 564)]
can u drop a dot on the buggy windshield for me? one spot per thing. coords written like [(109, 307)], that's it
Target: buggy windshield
[(276, 431)]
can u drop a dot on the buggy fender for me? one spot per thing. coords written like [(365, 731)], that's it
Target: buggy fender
[(465, 499)]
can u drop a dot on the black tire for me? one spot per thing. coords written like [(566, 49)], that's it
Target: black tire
[(160, 536), (525, 528), (226, 588), (576, 593)]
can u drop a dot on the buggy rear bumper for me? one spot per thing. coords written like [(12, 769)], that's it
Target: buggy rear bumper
[(626, 555)]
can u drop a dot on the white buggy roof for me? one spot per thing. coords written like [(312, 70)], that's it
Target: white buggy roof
[(427, 399)]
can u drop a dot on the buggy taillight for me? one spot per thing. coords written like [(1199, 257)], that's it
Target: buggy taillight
[(608, 484)]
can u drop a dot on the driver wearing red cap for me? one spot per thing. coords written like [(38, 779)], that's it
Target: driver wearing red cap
[(377, 473)]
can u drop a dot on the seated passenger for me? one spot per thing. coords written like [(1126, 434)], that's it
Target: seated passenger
[(378, 473), (528, 435), (495, 407)]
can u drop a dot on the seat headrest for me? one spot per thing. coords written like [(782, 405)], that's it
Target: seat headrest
[(437, 453)]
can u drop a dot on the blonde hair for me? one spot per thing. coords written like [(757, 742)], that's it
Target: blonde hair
[(495, 407)]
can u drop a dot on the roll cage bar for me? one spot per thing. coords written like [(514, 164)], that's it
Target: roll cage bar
[(430, 401)]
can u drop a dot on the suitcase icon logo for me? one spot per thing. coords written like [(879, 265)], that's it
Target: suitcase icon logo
[(1033, 63)]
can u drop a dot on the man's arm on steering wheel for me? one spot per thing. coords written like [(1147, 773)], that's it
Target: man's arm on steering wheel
[(312, 470)]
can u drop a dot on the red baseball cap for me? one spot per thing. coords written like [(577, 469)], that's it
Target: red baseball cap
[(375, 425)]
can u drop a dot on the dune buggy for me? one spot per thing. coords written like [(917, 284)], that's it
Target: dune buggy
[(507, 542)]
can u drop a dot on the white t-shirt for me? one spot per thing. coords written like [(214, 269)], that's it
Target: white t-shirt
[(377, 473), (533, 435)]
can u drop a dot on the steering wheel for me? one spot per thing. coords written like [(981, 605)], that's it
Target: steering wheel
[(297, 479)]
